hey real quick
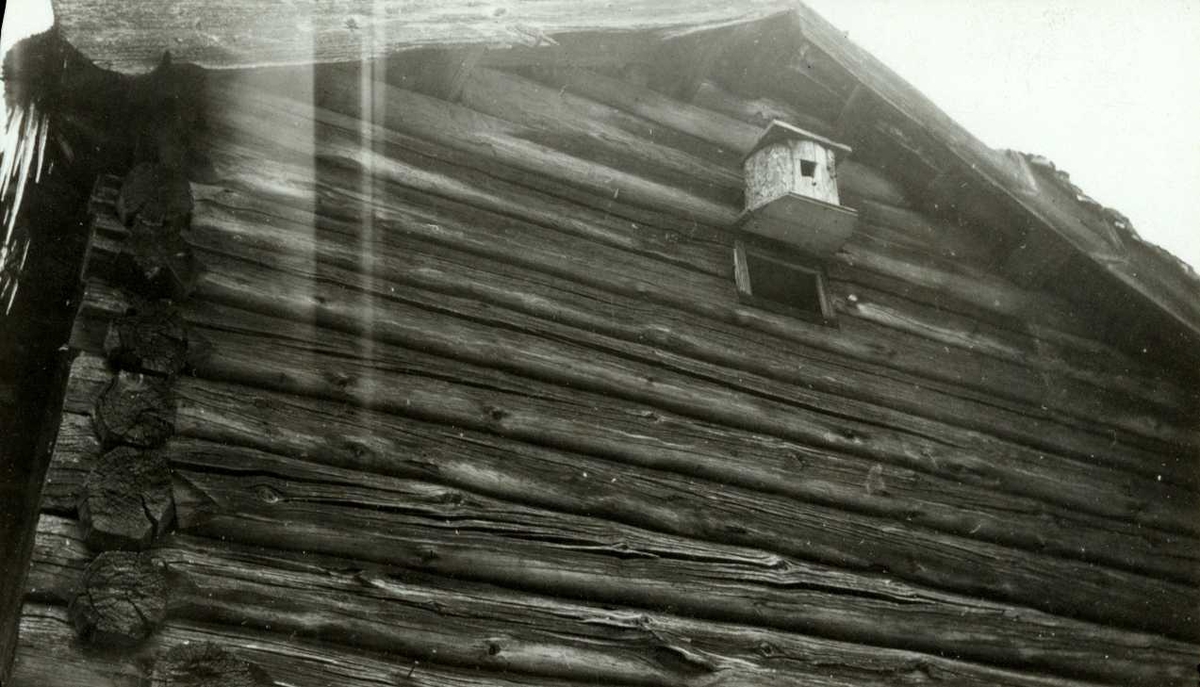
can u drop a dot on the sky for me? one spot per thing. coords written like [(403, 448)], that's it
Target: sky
[(1107, 89)]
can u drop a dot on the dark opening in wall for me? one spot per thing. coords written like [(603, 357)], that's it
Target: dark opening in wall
[(775, 277), (808, 168)]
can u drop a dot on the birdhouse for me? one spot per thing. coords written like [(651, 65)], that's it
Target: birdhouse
[(791, 191)]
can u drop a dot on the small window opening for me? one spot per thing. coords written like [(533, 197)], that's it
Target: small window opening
[(808, 168), (777, 278)]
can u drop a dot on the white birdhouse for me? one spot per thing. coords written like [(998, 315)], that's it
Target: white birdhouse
[(791, 191)]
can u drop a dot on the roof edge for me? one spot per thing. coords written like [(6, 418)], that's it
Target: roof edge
[(1135, 269)]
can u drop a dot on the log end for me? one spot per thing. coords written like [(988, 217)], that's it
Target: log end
[(126, 500), (121, 600), (135, 410), (150, 338)]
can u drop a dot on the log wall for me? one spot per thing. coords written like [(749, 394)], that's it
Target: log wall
[(470, 399)]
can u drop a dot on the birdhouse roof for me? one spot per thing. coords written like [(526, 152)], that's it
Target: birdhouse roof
[(782, 131)]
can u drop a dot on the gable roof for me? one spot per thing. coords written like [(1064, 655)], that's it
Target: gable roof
[(1142, 298)]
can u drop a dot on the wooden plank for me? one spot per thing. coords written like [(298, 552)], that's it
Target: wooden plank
[(130, 37), (572, 591)]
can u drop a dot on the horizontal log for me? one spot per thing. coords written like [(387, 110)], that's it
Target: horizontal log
[(934, 360), (1150, 411), (298, 368), (758, 110), (410, 613), (820, 476), (49, 656), (950, 241), (730, 135), (594, 131), (1002, 300), (129, 37), (230, 227), (715, 117), (890, 225), (828, 432), (471, 132), (1035, 385), (450, 173)]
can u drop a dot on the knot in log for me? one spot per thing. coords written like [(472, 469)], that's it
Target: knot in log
[(205, 665), (121, 599), (126, 500)]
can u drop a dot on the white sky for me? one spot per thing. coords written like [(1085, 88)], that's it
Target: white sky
[(1107, 89)]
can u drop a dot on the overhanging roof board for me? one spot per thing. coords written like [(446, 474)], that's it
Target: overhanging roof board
[(130, 36), (1153, 284)]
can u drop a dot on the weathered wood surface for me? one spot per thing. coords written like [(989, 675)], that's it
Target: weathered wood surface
[(736, 351), (301, 307), (698, 451), (575, 125), (49, 657), (759, 111), (477, 134), (974, 286), (731, 135), (728, 345), (117, 600), (417, 612), (130, 37), (542, 415), (1030, 386)]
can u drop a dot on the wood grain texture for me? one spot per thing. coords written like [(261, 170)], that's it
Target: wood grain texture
[(298, 301), (413, 613), (972, 285), (49, 658), (541, 416), (716, 342)]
